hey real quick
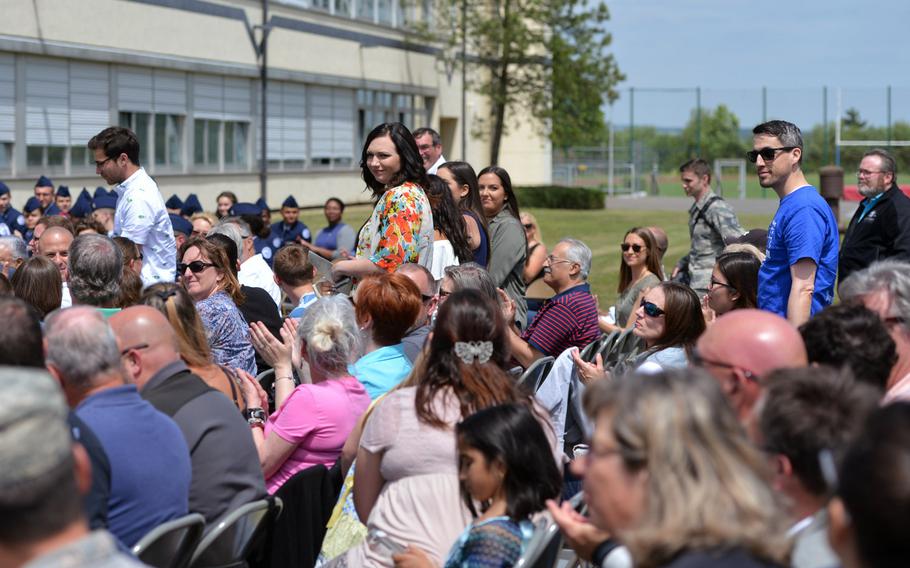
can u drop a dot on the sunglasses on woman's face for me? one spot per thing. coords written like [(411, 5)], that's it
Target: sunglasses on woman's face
[(195, 267), (651, 309), (635, 248)]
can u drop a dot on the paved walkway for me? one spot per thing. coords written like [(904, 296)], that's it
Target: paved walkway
[(752, 206)]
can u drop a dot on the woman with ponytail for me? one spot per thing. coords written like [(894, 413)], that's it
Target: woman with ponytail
[(406, 488), (315, 418)]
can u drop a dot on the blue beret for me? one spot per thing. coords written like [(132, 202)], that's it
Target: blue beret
[(106, 201), (174, 202), (63, 191), (290, 202), (191, 206), (31, 204), (180, 224), (245, 209), (262, 204), (3, 188), (44, 182), (83, 206)]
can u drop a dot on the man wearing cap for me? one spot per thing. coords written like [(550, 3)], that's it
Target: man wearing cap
[(149, 458), (43, 476), (44, 193), (9, 217), (174, 204), (711, 220), (191, 206), (182, 229), (83, 206), (140, 215), (290, 229), (63, 200), (104, 208)]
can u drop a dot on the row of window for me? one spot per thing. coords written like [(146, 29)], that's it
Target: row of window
[(185, 122), (395, 13)]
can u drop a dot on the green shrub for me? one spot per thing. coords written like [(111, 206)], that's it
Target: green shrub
[(560, 197)]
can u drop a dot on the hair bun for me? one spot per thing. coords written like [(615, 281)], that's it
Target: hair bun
[(325, 334)]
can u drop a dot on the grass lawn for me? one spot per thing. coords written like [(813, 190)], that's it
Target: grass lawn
[(601, 230)]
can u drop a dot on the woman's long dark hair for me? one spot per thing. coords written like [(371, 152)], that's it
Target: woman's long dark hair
[(511, 201), (653, 262), (447, 217), (464, 175), (741, 271), (511, 435), (684, 322), (412, 169), (467, 316)]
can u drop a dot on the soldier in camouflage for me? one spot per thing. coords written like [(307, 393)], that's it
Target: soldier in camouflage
[(711, 222)]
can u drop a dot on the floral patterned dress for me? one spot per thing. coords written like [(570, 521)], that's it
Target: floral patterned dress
[(400, 230)]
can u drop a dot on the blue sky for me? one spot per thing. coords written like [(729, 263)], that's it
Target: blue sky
[(731, 48)]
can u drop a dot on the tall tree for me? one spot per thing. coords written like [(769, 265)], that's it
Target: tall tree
[(540, 60)]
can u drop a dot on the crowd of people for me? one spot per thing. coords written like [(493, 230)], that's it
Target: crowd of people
[(161, 360)]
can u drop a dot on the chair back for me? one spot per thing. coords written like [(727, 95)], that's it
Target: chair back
[(536, 372), (542, 550), (231, 541), (171, 544)]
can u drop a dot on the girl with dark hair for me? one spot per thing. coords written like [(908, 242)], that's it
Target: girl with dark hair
[(508, 245), (504, 464), (37, 282), (450, 239), (400, 230), (462, 182), (639, 270), (734, 282), (406, 483)]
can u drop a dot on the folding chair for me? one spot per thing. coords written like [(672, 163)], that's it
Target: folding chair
[(171, 544), (233, 539)]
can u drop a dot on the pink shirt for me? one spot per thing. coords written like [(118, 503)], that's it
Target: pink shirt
[(318, 419)]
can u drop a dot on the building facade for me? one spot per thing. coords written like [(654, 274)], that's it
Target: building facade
[(184, 75)]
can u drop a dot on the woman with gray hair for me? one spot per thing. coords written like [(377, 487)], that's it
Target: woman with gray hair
[(313, 419)]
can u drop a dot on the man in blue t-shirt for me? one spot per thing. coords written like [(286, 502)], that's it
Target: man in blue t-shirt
[(797, 278)]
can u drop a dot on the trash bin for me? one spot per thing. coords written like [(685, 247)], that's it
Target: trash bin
[(832, 187)]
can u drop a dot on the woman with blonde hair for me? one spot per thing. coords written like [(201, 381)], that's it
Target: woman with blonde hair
[(202, 223), (672, 476), (173, 301)]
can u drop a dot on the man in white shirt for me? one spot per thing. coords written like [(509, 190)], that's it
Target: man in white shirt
[(430, 147), (55, 245), (254, 270), (140, 215)]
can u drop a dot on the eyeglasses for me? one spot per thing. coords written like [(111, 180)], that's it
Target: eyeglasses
[(715, 284), (444, 293), (767, 154), (102, 162), (555, 260), (195, 267), (651, 309), (134, 348), (867, 173), (635, 248), (699, 361)]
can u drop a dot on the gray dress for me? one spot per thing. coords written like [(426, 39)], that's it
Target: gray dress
[(508, 250), (625, 305)]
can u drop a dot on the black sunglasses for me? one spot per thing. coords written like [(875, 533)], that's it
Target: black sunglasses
[(767, 154), (626, 246), (715, 284), (195, 267), (651, 309)]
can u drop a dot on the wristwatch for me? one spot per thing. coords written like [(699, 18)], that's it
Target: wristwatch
[(254, 416)]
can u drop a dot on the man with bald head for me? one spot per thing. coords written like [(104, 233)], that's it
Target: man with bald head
[(743, 346), (226, 469), (55, 244)]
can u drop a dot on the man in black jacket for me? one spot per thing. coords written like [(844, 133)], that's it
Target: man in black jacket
[(880, 228)]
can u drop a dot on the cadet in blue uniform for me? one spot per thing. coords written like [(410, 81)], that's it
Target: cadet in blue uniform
[(83, 206), (13, 219), (290, 230), (173, 205), (44, 193), (191, 206), (63, 200), (252, 214)]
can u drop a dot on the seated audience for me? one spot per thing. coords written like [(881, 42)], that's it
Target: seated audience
[(568, 319), (44, 476), (386, 305), (450, 238), (854, 337), (54, 244), (95, 271), (803, 413), (337, 239), (313, 419), (884, 288), (254, 271), (672, 477), (733, 284), (870, 513), (295, 275), (226, 471), (416, 337), (37, 282), (174, 302), (206, 274), (149, 458), (469, 276), (13, 252), (406, 482)]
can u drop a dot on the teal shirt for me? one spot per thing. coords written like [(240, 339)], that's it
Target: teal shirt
[(381, 370)]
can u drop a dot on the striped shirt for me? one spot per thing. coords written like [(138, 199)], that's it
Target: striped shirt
[(568, 319)]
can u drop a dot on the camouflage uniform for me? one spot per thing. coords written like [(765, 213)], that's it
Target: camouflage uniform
[(708, 242)]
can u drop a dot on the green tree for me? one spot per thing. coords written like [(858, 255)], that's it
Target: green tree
[(715, 136), (536, 60)]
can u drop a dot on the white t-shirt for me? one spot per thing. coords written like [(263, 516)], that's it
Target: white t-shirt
[(142, 218), (434, 167), (255, 272)]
